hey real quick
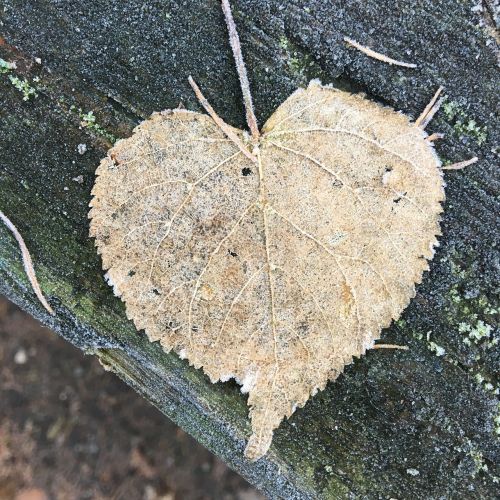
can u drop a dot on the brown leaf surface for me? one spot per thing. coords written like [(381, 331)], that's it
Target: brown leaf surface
[(275, 273)]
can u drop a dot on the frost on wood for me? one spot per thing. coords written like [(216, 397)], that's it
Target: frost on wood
[(275, 272)]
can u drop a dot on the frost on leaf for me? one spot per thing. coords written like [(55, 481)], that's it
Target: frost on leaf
[(275, 272)]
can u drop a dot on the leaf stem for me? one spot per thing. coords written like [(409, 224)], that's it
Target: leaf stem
[(234, 40)]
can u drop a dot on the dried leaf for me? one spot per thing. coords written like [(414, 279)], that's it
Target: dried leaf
[(278, 272)]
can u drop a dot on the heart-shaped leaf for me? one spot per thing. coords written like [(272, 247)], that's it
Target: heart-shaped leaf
[(276, 271)]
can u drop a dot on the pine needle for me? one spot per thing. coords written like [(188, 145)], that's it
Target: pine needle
[(234, 40), (434, 137), (376, 55), (461, 164), (430, 110), (390, 346), (27, 262)]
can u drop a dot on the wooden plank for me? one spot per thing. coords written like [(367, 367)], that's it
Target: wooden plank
[(396, 424)]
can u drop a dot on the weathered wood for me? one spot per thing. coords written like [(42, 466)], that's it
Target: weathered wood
[(403, 424)]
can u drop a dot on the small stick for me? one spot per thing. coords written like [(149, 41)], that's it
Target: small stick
[(234, 40), (434, 137), (461, 164), (27, 262), (376, 55), (390, 346), (219, 121), (419, 121)]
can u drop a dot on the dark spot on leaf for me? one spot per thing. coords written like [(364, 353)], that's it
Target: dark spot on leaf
[(114, 159), (398, 199), (156, 292), (246, 171), (303, 327), (131, 273), (172, 324), (232, 254)]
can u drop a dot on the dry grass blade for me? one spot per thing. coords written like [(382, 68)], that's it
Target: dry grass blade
[(376, 55), (27, 262), (434, 137)]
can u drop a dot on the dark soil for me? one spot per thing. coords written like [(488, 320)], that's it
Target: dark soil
[(69, 430)]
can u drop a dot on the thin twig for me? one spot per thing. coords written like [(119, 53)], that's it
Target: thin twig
[(234, 40), (376, 55), (419, 121), (27, 262), (461, 164), (219, 121), (390, 346)]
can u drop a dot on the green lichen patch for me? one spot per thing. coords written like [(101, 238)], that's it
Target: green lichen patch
[(24, 86), (484, 382), (478, 458), (477, 333), (463, 124), (496, 421), (301, 65), (437, 349), (6, 66), (27, 89), (88, 121)]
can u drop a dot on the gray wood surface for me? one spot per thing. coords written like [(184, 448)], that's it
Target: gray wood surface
[(418, 424)]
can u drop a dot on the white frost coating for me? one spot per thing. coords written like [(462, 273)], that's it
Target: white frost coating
[(413, 472), (432, 248), (110, 282), (226, 377), (385, 177), (248, 382), (369, 341), (315, 83)]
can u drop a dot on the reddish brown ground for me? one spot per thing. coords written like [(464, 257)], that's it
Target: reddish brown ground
[(69, 430)]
